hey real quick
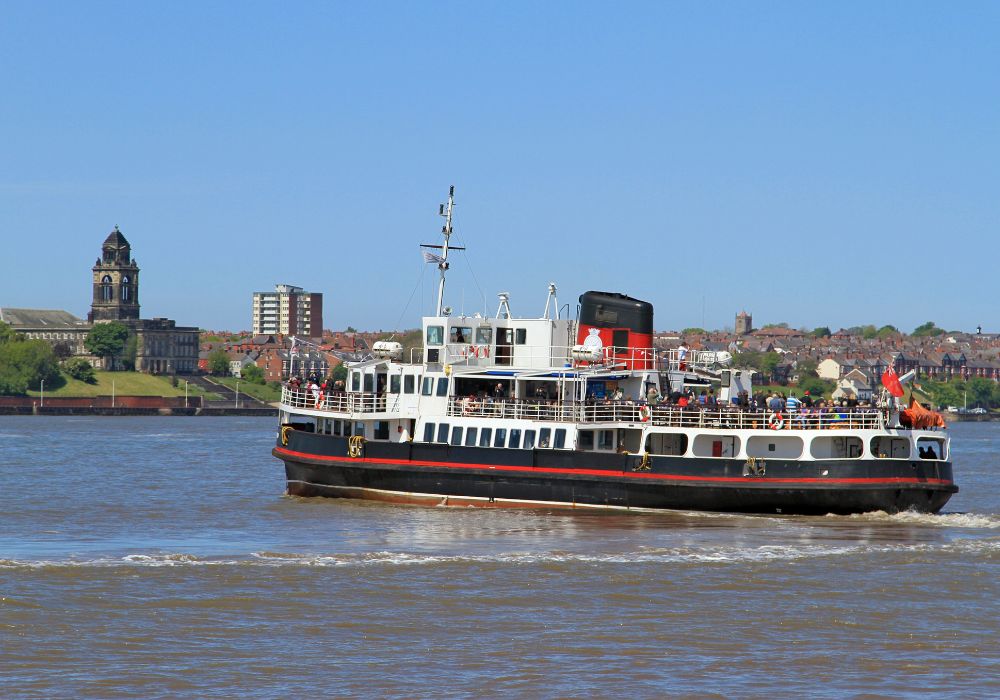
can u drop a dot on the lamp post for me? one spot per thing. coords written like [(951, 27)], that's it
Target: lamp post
[(237, 393), (185, 393), (112, 393), (43, 393)]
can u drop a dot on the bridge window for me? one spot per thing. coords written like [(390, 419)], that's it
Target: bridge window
[(460, 334), (408, 384), (428, 432), (442, 386), (456, 435), (355, 381), (369, 383), (435, 335), (428, 387), (484, 335), (394, 384), (443, 432), (520, 336)]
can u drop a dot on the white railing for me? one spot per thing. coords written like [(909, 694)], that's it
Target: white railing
[(513, 408), (541, 356), (337, 402), (609, 412), (667, 416)]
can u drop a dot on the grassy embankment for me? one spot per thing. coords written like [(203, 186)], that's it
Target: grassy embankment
[(261, 392), (123, 384)]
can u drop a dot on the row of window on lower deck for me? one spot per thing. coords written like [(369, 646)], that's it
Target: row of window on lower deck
[(788, 447), (527, 439), (346, 428)]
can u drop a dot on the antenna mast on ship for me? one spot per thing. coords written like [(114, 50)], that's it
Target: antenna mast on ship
[(442, 259)]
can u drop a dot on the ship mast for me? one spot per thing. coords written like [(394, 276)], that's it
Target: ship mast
[(442, 259)]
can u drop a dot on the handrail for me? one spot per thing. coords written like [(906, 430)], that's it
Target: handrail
[(659, 415)]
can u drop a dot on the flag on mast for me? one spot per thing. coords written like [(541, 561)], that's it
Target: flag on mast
[(430, 257), (891, 381)]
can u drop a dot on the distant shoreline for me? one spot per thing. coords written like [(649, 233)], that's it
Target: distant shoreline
[(126, 411)]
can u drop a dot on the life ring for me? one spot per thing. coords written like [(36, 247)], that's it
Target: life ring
[(319, 400), (643, 413), (285, 430), (776, 421), (355, 446)]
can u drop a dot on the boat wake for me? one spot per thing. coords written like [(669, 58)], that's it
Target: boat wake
[(960, 520), (735, 554)]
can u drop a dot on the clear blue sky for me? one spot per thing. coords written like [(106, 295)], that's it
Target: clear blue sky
[(819, 164)]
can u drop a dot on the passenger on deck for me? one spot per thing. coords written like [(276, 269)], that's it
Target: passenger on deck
[(682, 354), (618, 394), (652, 396)]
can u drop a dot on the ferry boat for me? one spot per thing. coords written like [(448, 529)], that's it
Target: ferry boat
[(555, 412)]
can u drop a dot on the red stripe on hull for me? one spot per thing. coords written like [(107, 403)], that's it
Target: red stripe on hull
[(604, 472)]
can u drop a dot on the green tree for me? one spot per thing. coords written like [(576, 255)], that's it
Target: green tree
[(927, 329), (816, 386), (129, 352), (776, 325), (769, 361), (253, 374), (821, 332), (694, 331), (980, 391), (79, 368), (340, 373), (24, 364), (7, 333), (747, 359), (869, 332), (107, 340), (218, 362), (806, 367), (887, 331)]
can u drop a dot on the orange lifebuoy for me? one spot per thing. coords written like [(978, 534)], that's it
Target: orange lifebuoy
[(643, 413)]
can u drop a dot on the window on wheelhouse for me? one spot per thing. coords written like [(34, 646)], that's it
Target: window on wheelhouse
[(428, 432), (470, 437), (515, 438), (585, 441), (428, 387), (355, 381), (485, 437), (456, 435), (443, 432), (484, 335), (408, 387), (529, 439), (520, 336), (394, 382), (560, 439), (442, 389), (460, 334), (501, 437), (369, 383), (435, 335)]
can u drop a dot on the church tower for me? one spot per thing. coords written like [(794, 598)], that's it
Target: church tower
[(116, 282), (744, 323)]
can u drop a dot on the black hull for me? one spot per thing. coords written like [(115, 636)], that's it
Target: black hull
[(319, 465)]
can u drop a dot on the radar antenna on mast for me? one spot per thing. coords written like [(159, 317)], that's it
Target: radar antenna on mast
[(442, 259)]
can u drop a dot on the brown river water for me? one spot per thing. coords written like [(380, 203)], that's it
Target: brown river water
[(158, 557)]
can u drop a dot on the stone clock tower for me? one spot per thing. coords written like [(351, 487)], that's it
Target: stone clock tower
[(116, 282)]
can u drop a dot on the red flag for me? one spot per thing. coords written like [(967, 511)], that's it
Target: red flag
[(891, 381)]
